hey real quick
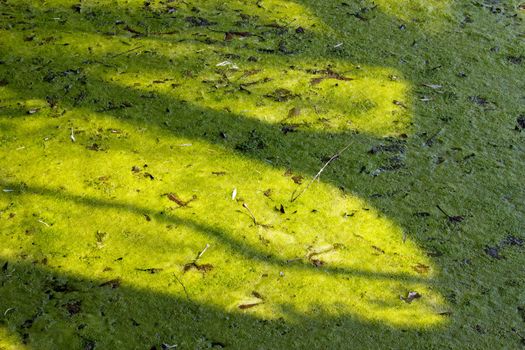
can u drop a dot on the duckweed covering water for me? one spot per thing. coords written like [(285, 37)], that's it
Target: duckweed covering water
[(150, 151)]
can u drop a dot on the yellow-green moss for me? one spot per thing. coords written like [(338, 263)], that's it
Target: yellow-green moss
[(113, 113)]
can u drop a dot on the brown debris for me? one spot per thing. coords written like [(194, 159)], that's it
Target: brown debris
[(421, 268), (250, 305), (174, 198)]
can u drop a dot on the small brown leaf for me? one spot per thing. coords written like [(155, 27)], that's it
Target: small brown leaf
[(152, 270), (317, 262), (174, 198), (298, 179), (421, 268), (204, 267), (378, 249), (248, 306), (231, 35), (316, 81)]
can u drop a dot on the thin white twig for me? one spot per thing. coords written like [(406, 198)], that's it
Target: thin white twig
[(44, 223), (334, 157), (9, 309), (249, 211), (202, 252)]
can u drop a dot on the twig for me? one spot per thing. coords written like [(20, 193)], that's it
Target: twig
[(313, 253), (334, 157), (9, 309), (203, 268), (454, 219), (43, 223), (183, 286), (201, 253), (249, 211), (444, 212), (128, 51)]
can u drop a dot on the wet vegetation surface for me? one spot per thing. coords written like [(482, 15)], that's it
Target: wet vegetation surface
[(262, 174)]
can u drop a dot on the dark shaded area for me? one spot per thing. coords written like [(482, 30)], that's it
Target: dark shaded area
[(52, 300)]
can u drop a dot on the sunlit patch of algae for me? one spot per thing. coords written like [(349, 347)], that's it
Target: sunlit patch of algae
[(137, 136)]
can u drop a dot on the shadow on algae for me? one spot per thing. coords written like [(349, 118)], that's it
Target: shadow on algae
[(150, 151)]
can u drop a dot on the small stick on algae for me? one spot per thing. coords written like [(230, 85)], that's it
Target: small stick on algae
[(128, 51), (183, 286), (201, 253), (334, 157), (249, 211), (9, 309), (44, 223)]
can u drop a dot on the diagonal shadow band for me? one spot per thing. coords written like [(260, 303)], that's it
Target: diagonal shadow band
[(225, 239), (151, 318)]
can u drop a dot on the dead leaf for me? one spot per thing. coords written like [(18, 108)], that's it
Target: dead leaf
[(378, 249), (317, 262), (257, 295), (298, 179), (152, 270), (248, 306), (202, 268), (421, 268), (174, 198)]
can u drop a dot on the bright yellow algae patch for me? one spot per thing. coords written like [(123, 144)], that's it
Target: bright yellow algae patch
[(322, 97), (366, 261), (118, 112)]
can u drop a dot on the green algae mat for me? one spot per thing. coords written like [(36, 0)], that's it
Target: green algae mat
[(271, 174)]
